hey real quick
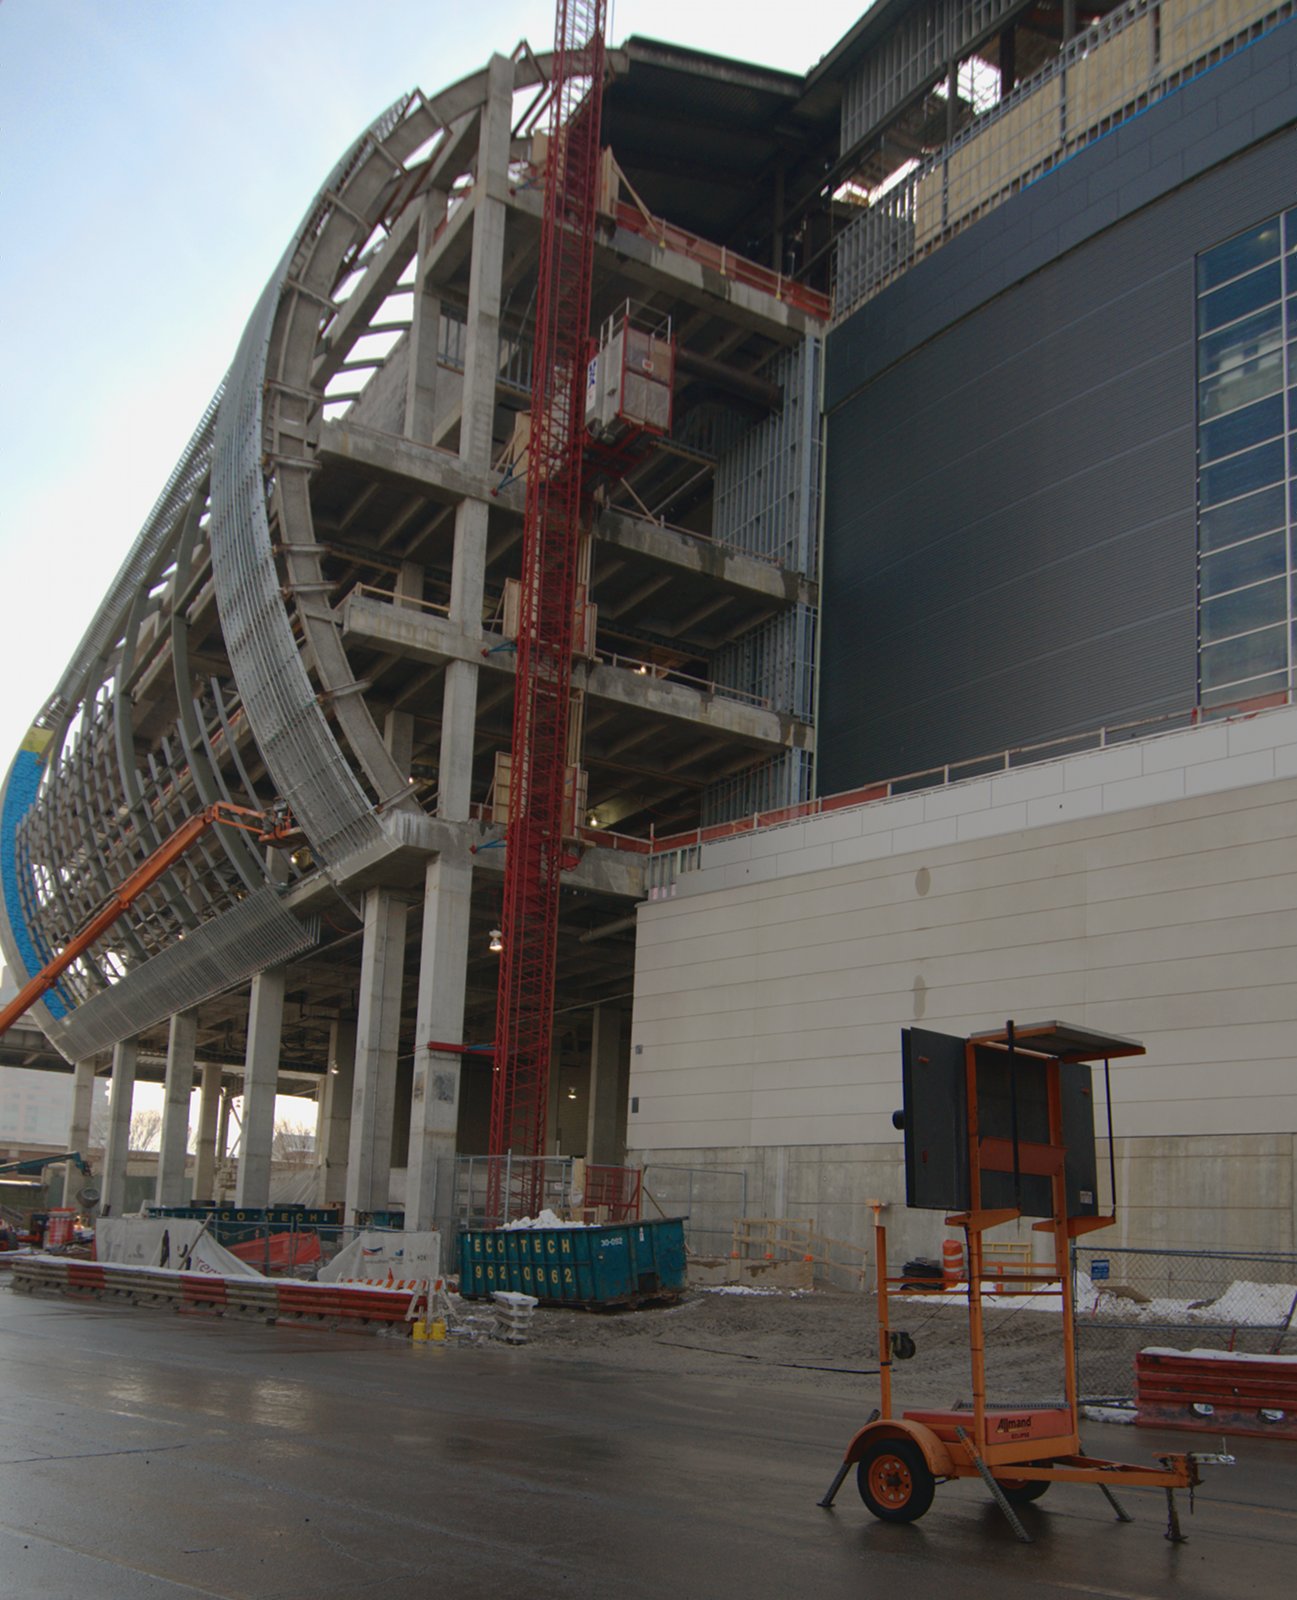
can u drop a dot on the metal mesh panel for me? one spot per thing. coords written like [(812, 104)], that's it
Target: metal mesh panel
[(913, 55), (292, 732), (785, 780), (96, 814), (767, 484), (775, 662), (257, 933), (767, 503), (104, 631)]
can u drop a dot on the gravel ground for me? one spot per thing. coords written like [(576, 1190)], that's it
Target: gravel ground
[(822, 1339)]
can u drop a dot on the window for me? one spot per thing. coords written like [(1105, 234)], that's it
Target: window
[(1247, 422)]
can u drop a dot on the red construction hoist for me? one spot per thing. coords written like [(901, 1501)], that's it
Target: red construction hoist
[(551, 536)]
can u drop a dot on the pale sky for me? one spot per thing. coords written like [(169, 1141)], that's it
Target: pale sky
[(154, 157)]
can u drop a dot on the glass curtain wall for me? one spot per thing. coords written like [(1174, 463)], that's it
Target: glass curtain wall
[(1247, 411)]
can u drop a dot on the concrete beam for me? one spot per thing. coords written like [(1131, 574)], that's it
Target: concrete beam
[(440, 474), (604, 871), (423, 636), (687, 552), (444, 479), (633, 256)]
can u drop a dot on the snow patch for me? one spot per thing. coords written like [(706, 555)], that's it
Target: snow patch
[(1243, 1305), (546, 1219), (1123, 1414)]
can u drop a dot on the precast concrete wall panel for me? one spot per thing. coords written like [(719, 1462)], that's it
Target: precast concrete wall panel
[(1176, 924)]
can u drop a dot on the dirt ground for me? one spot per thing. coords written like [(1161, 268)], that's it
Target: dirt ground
[(821, 1339)]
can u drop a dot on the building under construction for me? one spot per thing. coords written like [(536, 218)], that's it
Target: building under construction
[(929, 652)]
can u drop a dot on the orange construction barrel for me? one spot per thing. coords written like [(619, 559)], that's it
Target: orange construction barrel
[(59, 1229), (952, 1261)]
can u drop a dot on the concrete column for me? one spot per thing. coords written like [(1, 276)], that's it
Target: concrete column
[(172, 1188), (209, 1111), (333, 1128), (117, 1150), (425, 330), (553, 1142), (455, 757), (403, 1094), (223, 1125), (439, 1018), (490, 209), (83, 1095), (952, 98), (260, 1083), (609, 1079), (369, 1154), (477, 419), (398, 726)]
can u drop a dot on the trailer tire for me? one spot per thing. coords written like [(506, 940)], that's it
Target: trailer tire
[(894, 1480), (1022, 1491)]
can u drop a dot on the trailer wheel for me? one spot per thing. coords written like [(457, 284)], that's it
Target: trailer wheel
[(1022, 1491), (894, 1480)]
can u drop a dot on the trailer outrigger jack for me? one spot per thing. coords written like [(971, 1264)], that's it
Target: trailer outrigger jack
[(1000, 1126)]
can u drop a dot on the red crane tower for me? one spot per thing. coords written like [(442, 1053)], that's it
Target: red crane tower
[(535, 838)]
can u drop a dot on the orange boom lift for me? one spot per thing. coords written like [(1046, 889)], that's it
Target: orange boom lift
[(268, 827), (999, 1126)]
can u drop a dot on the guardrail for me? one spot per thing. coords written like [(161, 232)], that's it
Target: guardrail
[(667, 236), (349, 1306), (975, 767)]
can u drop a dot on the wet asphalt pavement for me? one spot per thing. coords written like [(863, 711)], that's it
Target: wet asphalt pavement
[(144, 1454)]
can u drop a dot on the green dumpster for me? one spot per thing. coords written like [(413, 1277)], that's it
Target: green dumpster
[(599, 1266)]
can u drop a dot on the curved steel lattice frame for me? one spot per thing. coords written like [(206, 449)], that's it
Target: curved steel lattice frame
[(79, 810), (78, 814), (260, 466)]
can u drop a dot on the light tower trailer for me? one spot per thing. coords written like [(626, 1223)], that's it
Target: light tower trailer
[(1000, 1126)]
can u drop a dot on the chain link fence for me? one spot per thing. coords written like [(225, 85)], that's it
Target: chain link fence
[(1129, 1300), (708, 1198)]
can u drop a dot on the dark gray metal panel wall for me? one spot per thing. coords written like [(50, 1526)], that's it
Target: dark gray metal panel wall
[(1009, 536), (1208, 120)]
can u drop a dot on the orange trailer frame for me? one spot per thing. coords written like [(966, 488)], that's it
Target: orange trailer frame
[(1017, 1452)]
